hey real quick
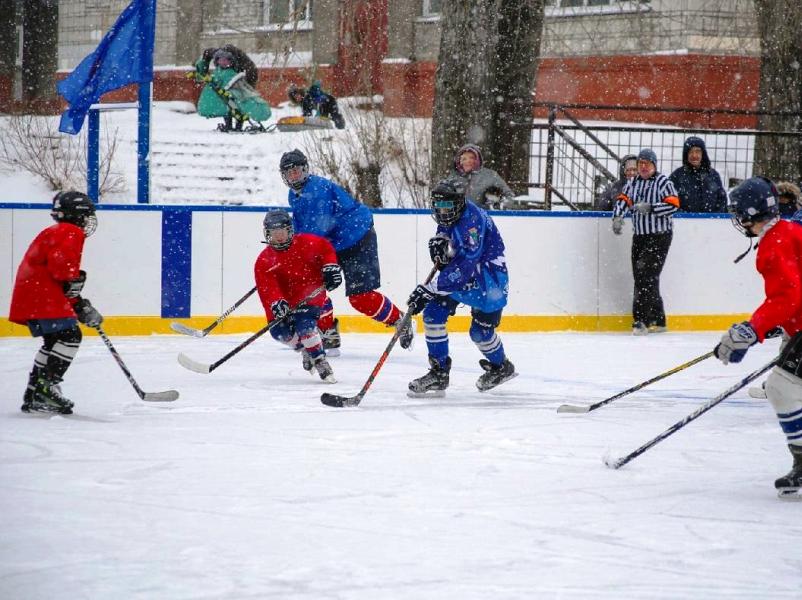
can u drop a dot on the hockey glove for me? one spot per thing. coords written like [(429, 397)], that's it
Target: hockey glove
[(735, 343), (280, 308), (332, 276), (419, 298), (643, 208), (87, 314), (618, 225), (440, 249), (72, 289)]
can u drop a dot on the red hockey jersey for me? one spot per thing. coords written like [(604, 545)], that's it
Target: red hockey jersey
[(779, 260), (53, 257), (293, 273)]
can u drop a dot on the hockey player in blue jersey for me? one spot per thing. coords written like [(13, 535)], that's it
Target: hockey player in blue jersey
[(473, 271)]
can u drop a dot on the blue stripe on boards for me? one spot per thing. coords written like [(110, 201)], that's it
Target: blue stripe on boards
[(176, 262)]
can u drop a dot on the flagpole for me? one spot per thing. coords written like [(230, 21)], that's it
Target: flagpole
[(143, 145)]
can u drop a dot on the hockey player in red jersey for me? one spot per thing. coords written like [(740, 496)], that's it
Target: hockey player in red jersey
[(289, 269), (754, 207), (47, 298)]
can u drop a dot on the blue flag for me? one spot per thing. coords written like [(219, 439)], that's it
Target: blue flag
[(124, 56)]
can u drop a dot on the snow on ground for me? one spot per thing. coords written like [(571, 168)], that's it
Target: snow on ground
[(248, 487)]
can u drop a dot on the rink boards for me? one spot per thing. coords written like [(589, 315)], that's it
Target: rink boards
[(149, 265)]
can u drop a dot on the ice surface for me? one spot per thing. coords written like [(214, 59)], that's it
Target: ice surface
[(248, 487)]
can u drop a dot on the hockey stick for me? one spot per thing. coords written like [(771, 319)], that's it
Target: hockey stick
[(572, 408), (340, 401), (199, 333), (616, 464), (168, 396), (198, 367)]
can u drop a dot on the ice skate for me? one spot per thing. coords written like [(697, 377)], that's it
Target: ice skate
[(307, 362), (406, 335), (331, 339), (47, 397), (434, 383), (789, 487), (324, 369), (495, 375)]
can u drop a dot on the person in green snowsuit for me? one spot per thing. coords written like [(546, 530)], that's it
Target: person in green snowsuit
[(227, 94)]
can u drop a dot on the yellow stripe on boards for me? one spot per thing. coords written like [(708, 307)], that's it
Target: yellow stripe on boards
[(361, 324)]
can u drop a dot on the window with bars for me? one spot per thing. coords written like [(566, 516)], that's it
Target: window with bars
[(277, 12)]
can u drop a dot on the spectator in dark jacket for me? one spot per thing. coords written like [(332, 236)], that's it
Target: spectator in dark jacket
[(698, 185), (609, 196), (789, 199), (238, 61)]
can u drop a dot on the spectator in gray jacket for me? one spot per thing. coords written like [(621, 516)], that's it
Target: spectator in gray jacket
[(609, 196), (698, 184), (482, 186)]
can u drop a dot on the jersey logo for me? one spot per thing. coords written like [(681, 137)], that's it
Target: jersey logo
[(473, 236)]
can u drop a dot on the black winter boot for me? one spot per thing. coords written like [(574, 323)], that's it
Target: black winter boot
[(434, 383), (790, 484)]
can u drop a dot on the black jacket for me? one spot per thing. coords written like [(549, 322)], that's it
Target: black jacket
[(699, 190), (241, 62)]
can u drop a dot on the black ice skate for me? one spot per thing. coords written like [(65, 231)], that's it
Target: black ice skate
[(47, 397), (406, 334), (331, 339), (307, 362), (434, 383), (495, 375), (789, 487), (324, 369)]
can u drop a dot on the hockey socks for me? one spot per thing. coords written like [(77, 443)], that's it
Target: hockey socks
[(377, 306), (325, 321)]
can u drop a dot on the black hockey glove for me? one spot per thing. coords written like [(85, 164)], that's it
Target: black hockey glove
[(72, 289), (332, 276), (280, 308), (87, 314), (440, 250), (419, 298)]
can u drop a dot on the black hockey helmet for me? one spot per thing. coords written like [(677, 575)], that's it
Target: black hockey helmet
[(291, 160), (754, 200), (447, 203), (76, 208), (276, 220)]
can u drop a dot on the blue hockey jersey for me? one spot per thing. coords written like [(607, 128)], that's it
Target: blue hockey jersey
[(477, 275), (324, 208)]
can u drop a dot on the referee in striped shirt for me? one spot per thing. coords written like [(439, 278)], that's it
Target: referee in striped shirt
[(652, 200)]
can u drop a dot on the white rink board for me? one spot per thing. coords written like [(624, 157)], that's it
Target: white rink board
[(559, 265)]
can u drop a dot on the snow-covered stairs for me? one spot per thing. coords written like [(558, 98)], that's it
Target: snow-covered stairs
[(207, 168)]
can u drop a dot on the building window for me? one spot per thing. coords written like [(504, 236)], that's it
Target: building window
[(278, 12), (431, 8), (578, 7)]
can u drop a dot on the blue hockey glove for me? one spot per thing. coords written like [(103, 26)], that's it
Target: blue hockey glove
[(735, 343), (87, 314), (332, 276), (440, 249), (73, 289), (419, 298), (618, 225), (280, 308), (643, 208)]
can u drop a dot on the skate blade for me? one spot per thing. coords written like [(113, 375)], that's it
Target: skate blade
[(505, 380), (329, 379), (332, 353), (790, 495), (431, 394)]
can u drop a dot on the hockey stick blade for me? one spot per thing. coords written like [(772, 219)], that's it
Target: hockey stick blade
[(572, 408), (168, 396), (193, 365), (340, 401), (184, 330)]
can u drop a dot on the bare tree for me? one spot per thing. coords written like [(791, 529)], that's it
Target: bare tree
[(780, 23), (489, 51)]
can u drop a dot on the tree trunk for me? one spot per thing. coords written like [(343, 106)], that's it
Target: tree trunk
[(489, 52), (39, 50), (780, 23), (515, 74), (463, 104)]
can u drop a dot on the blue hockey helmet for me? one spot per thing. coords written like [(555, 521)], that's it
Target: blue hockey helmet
[(754, 200), (447, 203), (277, 220), (291, 160), (76, 208)]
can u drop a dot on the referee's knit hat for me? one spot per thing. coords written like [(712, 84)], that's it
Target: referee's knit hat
[(648, 154)]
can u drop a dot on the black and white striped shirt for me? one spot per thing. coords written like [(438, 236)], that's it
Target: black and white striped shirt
[(659, 192)]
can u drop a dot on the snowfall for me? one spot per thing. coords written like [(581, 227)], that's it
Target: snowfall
[(248, 487)]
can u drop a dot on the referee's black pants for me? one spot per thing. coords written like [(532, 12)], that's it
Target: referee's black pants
[(649, 253)]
